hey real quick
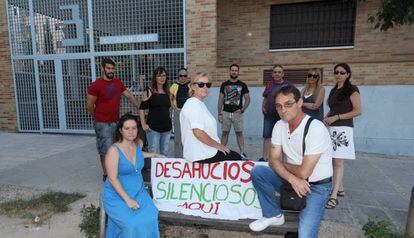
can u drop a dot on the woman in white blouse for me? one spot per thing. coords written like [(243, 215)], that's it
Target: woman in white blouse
[(199, 127)]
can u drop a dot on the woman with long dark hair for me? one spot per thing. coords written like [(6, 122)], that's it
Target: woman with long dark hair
[(131, 211), (313, 94), (344, 103), (158, 123)]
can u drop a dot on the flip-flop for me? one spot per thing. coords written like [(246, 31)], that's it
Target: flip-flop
[(341, 193), (332, 203)]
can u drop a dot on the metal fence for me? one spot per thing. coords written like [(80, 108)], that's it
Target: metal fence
[(57, 47)]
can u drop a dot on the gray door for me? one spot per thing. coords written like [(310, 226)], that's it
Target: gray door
[(57, 46)]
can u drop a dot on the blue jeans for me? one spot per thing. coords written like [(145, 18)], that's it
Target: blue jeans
[(267, 183), (268, 124), (158, 142)]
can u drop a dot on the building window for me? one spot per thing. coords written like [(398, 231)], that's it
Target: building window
[(312, 24), (295, 76)]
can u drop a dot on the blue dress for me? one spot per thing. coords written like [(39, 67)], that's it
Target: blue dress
[(124, 222)]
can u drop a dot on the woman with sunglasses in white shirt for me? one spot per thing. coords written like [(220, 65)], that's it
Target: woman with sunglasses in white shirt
[(199, 127)]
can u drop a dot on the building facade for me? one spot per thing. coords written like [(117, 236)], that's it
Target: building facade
[(215, 34)]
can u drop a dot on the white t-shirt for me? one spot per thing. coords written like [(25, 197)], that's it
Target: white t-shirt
[(195, 115), (317, 141)]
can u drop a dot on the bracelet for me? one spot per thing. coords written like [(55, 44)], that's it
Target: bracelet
[(339, 118), (220, 114)]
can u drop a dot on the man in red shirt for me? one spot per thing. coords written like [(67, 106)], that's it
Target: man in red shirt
[(103, 102)]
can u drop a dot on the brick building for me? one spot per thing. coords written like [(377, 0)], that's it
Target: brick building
[(219, 33)]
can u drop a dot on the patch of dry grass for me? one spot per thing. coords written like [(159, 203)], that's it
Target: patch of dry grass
[(40, 208)]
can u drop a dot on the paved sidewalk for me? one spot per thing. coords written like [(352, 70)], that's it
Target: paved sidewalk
[(377, 186)]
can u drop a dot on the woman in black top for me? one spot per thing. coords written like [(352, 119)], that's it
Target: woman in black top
[(158, 124), (345, 103)]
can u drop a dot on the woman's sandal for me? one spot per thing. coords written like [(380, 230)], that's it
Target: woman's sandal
[(341, 193), (331, 204)]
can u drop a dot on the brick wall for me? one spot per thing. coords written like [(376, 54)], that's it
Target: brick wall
[(201, 17), (8, 121), (377, 57)]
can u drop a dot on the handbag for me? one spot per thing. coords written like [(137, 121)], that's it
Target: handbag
[(289, 199)]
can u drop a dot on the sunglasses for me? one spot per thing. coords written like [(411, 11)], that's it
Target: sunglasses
[(340, 72), (182, 75), (201, 85), (315, 76)]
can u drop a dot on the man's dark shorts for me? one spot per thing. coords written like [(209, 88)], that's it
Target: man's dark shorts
[(268, 124), (104, 134)]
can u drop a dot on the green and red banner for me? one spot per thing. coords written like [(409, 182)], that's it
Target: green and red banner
[(218, 190)]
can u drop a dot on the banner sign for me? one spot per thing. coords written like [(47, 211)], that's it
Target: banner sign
[(218, 190)]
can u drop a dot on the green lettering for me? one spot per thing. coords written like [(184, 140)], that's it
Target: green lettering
[(226, 193), (183, 191), (197, 192), (232, 189), (161, 190), (171, 190), (203, 192), (244, 196)]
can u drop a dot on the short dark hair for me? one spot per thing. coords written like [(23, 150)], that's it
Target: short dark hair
[(277, 65), (234, 65), (289, 89), (182, 68), (106, 61)]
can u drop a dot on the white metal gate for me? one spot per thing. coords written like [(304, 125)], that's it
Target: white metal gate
[(57, 45)]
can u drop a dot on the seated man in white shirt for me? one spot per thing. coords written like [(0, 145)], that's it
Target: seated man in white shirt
[(309, 172)]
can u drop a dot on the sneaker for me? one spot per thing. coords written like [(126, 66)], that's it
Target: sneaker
[(261, 159), (243, 156), (263, 223)]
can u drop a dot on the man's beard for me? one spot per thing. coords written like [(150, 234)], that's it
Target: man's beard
[(109, 75), (234, 76)]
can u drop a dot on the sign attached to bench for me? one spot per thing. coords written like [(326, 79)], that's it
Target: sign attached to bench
[(219, 190)]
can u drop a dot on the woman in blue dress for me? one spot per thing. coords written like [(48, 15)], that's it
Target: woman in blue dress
[(131, 211)]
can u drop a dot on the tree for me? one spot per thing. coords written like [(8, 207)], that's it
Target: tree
[(393, 13)]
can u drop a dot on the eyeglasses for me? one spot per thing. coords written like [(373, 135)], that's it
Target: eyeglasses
[(201, 85), (182, 75), (340, 72), (286, 105), (315, 76)]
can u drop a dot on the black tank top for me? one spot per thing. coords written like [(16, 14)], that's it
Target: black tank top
[(317, 113), (158, 106), (182, 94)]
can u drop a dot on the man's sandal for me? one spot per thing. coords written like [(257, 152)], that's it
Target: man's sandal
[(331, 204), (341, 193)]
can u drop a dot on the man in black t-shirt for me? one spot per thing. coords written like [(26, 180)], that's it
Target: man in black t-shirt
[(231, 107)]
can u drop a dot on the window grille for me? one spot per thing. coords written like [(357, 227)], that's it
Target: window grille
[(313, 24)]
